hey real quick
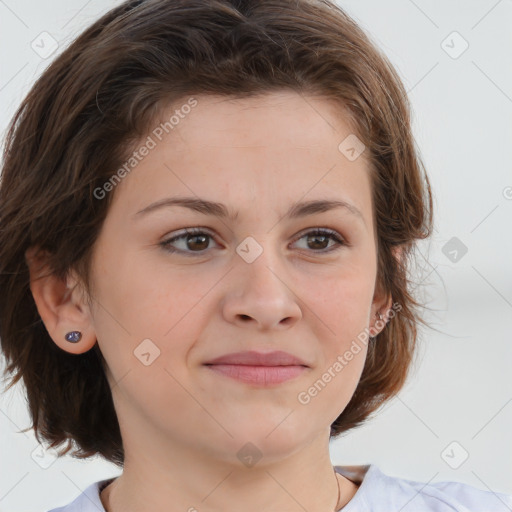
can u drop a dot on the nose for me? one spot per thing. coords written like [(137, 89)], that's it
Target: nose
[(260, 295)]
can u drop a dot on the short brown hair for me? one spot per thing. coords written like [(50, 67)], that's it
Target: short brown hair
[(101, 94)]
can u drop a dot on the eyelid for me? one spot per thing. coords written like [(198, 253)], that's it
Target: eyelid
[(323, 229)]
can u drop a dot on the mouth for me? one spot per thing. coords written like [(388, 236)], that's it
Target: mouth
[(261, 369), (259, 375)]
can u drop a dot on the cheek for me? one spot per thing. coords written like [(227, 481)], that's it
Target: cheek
[(162, 306), (343, 299), (141, 298), (330, 389)]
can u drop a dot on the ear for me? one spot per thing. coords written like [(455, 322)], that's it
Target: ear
[(382, 303), (60, 304)]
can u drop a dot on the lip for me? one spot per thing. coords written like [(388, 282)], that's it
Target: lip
[(253, 358), (260, 369)]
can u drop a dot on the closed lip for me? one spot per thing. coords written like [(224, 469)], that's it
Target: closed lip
[(253, 358)]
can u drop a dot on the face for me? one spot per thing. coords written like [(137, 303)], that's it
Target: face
[(258, 279)]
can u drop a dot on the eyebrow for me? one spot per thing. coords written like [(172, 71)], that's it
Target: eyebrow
[(297, 210)]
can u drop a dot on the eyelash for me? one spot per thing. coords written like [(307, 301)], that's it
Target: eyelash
[(333, 235)]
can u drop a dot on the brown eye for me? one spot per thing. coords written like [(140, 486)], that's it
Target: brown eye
[(200, 242), (194, 241), (318, 240)]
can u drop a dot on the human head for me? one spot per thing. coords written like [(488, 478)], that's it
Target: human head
[(101, 96)]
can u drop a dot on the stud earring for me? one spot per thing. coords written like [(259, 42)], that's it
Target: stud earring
[(74, 336)]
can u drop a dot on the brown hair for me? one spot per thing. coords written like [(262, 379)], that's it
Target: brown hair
[(99, 96)]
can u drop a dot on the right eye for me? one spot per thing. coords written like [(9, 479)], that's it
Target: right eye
[(192, 238)]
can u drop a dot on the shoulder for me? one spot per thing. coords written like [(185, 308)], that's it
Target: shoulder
[(451, 496), (380, 493), (87, 501)]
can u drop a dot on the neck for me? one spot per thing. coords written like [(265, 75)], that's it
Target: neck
[(192, 483)]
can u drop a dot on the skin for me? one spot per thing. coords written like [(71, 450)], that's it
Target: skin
[(182, 424)]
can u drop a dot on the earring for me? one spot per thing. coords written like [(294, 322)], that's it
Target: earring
[(74, 336)]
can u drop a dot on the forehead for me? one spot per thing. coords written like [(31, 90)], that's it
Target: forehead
[(291, 118), (275, 148)]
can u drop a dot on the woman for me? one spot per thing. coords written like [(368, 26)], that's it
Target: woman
[(207, 215)]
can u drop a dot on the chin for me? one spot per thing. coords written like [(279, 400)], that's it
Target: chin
[(269, 443)]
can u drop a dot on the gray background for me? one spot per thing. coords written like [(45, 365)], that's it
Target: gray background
[(458, 400)]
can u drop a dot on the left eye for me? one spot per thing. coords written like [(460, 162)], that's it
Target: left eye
[(196, 238), (320, 236)]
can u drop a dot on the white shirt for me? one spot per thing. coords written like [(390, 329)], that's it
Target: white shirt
[(377, 492)]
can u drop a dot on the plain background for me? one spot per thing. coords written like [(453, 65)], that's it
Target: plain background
[(458, 400)]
